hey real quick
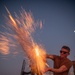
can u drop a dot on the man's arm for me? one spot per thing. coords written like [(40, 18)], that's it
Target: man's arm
[(49, 56), (61, 69)]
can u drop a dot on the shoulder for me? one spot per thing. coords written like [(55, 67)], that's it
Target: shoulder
[(56, 56)]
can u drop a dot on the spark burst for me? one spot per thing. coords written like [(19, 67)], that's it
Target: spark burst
[(24, 26)]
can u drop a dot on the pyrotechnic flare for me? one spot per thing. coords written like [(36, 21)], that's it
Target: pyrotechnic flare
[(23, 27)]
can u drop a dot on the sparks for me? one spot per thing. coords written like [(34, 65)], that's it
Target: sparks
[(24, 25)]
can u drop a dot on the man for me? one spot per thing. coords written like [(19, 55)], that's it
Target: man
[(61, 63)]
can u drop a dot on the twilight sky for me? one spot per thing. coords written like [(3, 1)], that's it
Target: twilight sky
[(58, 19)]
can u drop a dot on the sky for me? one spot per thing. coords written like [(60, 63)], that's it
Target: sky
[(58, 19)]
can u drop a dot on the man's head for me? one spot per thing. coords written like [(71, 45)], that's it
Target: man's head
[(64, 52)]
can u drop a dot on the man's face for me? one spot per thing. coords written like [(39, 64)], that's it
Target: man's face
[(64, 53)]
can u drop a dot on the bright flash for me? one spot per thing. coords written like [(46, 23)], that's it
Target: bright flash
[(40, 59), (37, 53)]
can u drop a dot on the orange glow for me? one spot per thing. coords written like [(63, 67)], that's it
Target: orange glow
[(14, 23), (40, 25), (4, 45)]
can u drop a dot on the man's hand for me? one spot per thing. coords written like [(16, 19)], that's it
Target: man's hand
[(59, 70), (47, 69)]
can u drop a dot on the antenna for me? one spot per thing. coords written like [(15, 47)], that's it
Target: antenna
[(23, 67)]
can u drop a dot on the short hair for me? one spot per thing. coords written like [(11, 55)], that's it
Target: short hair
[(66, 47)]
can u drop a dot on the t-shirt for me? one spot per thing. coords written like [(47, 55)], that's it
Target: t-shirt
[(58, 62)]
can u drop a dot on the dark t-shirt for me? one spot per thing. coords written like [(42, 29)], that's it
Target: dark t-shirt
[(58, 62)]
